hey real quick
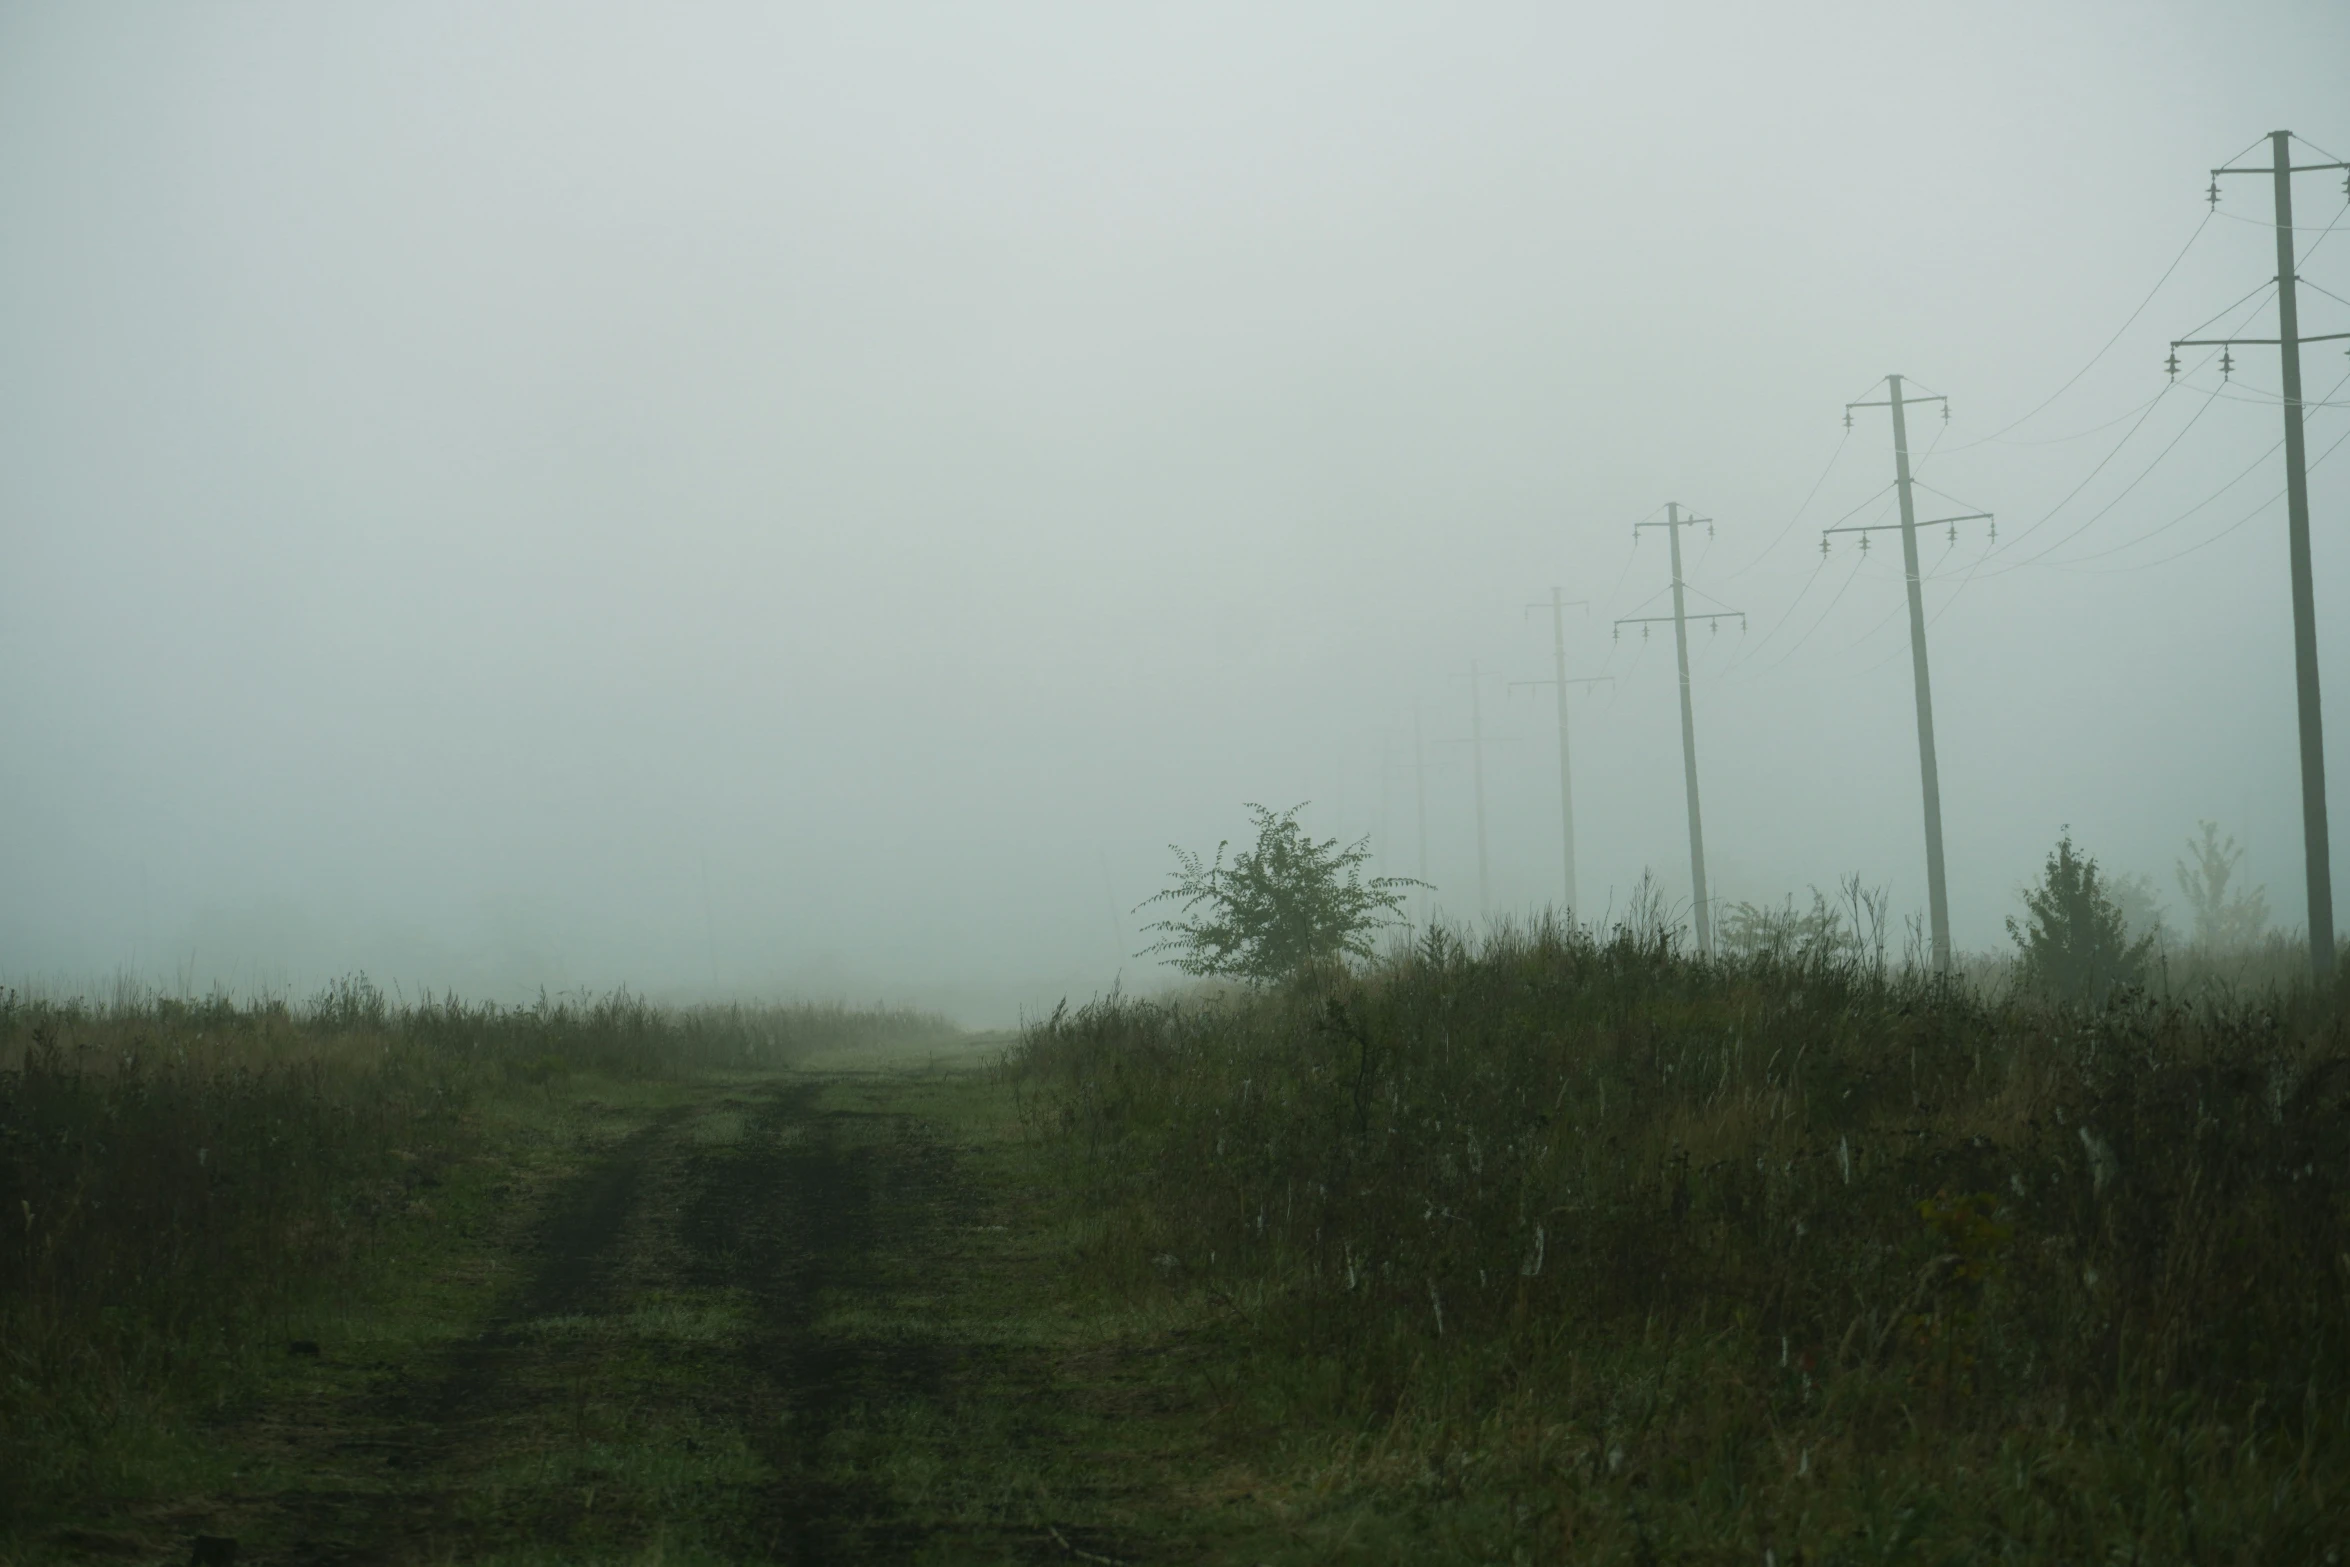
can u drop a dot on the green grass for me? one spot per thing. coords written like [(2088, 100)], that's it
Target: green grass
[(188, 1189), (1576, 1245), (1560, 1249)]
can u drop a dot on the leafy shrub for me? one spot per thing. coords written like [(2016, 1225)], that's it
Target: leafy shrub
[(1281, 907)]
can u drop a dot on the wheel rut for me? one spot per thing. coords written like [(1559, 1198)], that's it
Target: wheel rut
[(757, 1328)]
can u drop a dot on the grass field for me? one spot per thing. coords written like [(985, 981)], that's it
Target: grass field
[(1579, 1249), (1557, 1250), (190, 1188)]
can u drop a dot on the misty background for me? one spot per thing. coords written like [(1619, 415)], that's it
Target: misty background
[(765, 500)]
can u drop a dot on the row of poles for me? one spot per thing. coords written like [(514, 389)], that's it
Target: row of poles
[(1898, 400)]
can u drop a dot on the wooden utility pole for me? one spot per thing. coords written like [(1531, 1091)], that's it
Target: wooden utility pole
[(2314, 837), (1673, 524), (1929, 774)]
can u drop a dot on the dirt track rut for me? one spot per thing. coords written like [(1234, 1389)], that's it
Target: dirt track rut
[(741, 1333)]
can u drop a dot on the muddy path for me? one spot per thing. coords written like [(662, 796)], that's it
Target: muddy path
[(791, 1321)]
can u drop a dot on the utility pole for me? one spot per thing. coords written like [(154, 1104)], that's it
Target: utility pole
[(2288, 341), (1937, 890), (1420, 808), (1559, 605), (1673, 524), (1477, 770), (1386, 861)]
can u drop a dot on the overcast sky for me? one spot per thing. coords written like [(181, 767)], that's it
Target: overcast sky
[(803, 499)]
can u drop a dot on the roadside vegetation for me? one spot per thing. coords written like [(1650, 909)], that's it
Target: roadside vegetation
[(189, 1187), (1562, 1243)]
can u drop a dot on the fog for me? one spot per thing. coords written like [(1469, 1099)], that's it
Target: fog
[(770, 500)]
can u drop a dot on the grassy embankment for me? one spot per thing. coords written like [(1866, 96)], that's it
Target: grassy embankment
[(195, 1191), (1580, 1247)]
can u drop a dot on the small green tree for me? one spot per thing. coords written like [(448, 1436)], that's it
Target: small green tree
[(1278, 908), (2074, 941), (2222, 923)]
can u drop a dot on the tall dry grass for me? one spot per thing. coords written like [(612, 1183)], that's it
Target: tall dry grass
[(1657, 1216)]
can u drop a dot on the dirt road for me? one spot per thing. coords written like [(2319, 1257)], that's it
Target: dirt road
[(793, 1321)]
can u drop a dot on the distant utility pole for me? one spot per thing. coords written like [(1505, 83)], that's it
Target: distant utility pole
[(1386, 792), (2288, 342), (1420, 809), (1937, 892), (1477, 770), (1680, 617), (1559, 606)]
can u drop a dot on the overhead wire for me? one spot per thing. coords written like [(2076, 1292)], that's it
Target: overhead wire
[(2016, 541), (2127, 544), (1796, 646), (1801, 507), (2094, 359), (1630, 557), (2306, 142), (1900, 604), (2090, 477), (2138, 418), (2270, 224), (2148, 565), (2247, 297), (2305, 283), (1955, 500), (1756, 646), (2060, 440), (2119, 496), (1796, 602), (2075, 563), (2227, 393)]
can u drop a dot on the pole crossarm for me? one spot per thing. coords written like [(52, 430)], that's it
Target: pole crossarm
[(1895, 527), (2297, 168), (1887, 402), (2264, 342), (1738, 615), (1685, 522)]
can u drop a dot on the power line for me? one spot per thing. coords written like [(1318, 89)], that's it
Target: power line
[(2119, 496), (2095, 358), (2090, 477), (2061, 440), (1805, 505), (2154, 533), (2329, 293), (2086, 479), (1785, 615), (1796, 647), (2261, 292), (2148, 565)]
